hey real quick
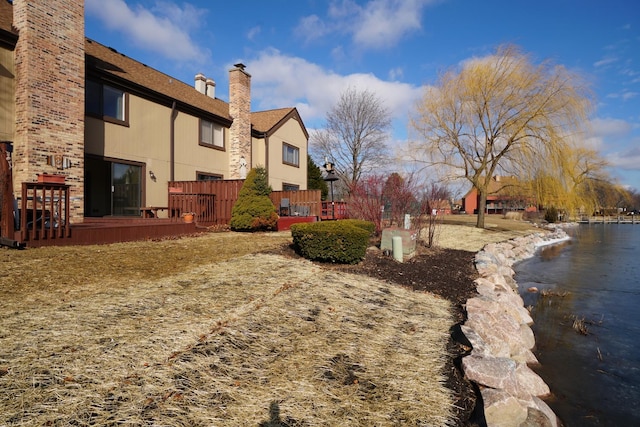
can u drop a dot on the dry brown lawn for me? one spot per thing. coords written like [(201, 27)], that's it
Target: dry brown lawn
[(215, 331), (205, 331)]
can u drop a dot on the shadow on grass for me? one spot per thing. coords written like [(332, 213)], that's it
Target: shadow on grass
[(275, 420)]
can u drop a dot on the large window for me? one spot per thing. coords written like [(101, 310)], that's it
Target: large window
[(290, 155), (106, 102), (211, 134)]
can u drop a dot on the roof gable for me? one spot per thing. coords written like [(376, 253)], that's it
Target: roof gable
[(267, 122)]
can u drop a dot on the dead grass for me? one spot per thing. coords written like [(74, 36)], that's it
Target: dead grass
[(205, 332), (459, 232)]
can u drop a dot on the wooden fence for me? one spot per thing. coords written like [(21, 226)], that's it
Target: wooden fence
[(212, 201), (297, 203)]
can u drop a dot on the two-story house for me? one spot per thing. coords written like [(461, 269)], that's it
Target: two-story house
[(118, 130)]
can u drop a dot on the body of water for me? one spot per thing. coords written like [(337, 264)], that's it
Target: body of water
[(593, 280)]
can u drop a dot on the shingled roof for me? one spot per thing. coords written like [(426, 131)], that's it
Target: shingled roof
[(107, 61), (109, 64)]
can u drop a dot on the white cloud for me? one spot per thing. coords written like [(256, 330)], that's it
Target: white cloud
[(625, 95), (377, 24), (628, 159), (396, 73), (610, 127), (383, 23), (281, 80), (605, 133), (253, 32), (605, 61), (161, 29)]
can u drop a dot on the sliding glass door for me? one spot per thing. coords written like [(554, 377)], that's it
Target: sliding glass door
[(112, 188), (126, 189)]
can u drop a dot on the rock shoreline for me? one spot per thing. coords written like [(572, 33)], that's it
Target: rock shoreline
[(498, 326)]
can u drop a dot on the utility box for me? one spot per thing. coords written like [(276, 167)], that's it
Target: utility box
[(409, 239)]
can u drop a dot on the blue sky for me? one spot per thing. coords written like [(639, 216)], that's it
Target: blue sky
[(304, 53)]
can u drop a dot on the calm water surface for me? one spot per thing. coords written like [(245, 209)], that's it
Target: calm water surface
[(594, 378)]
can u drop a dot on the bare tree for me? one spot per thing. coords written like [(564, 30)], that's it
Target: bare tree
[(499, 112), (433, 198), (355, 136)]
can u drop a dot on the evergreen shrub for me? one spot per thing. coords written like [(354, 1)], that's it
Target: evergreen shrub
[(340, 242), (254, 211), (551, 215), (361, 223)]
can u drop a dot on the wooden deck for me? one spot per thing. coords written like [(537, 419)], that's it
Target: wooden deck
[(97, 231)]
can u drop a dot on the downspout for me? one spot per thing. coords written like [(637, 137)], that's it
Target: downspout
[(172, 142), (266, 153)]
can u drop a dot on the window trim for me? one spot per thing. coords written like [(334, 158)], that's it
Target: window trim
[(286, 146), (206, 144), (217, 176), (101, 115), (285, 184)]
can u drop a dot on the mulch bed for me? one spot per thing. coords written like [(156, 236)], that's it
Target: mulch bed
[(448, 273)]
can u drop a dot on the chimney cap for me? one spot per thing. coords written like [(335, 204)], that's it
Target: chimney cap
[(240, 66)]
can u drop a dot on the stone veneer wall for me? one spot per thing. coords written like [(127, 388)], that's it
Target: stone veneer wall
[(49, 87), (498, 328), (240, 110)]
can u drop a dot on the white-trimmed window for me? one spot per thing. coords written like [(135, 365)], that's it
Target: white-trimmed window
[(106, 102), (290, 155), (211, 134)]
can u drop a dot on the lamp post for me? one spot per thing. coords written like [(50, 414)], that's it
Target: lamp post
[(330, 177)]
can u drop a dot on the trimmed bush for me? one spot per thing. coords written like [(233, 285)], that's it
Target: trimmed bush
[(361, 223), (340, 242)]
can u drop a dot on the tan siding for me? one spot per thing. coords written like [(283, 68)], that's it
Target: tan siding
[(7, 95), (147, 140), (279, 173)]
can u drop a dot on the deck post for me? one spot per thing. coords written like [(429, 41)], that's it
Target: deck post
[(7, 222)]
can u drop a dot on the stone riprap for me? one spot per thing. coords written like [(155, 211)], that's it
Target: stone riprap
[(498, 327)]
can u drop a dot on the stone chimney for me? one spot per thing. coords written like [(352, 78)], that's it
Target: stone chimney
[(200, 83), (240, 131), (49, 88), (211, 88)]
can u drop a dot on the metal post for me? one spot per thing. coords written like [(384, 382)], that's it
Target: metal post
[(331, 176)]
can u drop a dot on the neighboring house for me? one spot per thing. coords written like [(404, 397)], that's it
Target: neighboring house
[(119, 130), (504, 194)]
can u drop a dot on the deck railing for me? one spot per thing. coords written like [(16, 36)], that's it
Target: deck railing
[(334, 210), (212, 201), (44, 211)]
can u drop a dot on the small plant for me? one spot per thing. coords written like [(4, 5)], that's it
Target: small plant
[(579, 326), (551, 215)]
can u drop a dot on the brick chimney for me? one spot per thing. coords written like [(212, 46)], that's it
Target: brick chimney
[(49, 87), (240, 131)]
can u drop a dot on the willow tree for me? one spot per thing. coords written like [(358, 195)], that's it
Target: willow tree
[(571, 182), (498, 113)]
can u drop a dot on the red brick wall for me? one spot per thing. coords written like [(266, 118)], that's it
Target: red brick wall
[(49, 89)]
